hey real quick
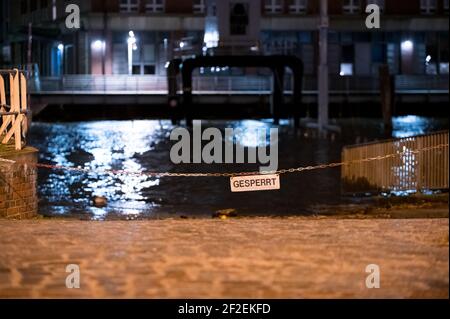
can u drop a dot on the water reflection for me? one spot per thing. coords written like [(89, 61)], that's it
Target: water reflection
[(144, 145), (410, 125), (97, 146), (247, 133)]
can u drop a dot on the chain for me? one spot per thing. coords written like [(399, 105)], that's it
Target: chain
[(281, 171)]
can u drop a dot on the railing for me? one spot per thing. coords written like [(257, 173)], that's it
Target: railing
[(13, 108), (138, 84), (420, 163)]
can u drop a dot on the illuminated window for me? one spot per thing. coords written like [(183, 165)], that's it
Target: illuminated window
[(347, 59), (379, 3), (346, 69), (199, 6), (428, 6), (154, 6), (129, 5), (351, 6), (273, 6), (443, 65), (443, 68), (298, 6)]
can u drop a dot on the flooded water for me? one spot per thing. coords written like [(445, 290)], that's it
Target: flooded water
[(144, 145)]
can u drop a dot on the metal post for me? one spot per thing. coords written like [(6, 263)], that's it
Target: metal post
[(30, 43), (323, 66), (387, 93), (187, 93), (104, 38), (277, 93)]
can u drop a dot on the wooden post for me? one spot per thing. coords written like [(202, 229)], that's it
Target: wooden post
[(2, 102), (187, 97), (387, 98), (277, 93), (14, 118), (173, 102), (23, 105), (323, 66)]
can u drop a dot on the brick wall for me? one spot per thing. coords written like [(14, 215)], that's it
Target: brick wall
[(18, 184)]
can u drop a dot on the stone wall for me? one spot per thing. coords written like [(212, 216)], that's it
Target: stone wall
[(18, 183)]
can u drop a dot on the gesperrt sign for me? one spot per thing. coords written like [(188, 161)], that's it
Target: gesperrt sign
[(252, 183)]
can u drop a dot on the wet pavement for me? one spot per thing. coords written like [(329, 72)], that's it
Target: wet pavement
[(144, 145), (294, 257)]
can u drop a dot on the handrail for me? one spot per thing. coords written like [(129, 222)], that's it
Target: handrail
[(412, 170), (390, 140), (232, 83), (3, 71)]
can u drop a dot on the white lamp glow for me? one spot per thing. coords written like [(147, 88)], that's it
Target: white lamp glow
[(407, 45), (98, 45), (131, 46)]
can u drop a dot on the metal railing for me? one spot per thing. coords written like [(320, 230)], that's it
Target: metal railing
[(138, 84), (13, 108), (420, 163)]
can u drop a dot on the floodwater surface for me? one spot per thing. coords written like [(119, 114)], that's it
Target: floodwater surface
[(144, 145)]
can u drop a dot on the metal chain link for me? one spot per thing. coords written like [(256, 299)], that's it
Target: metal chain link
[(216, 174)]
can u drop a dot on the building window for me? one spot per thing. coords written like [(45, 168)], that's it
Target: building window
[(199, 7), (347, 60), (273, 6), (129, 5), (238, 18), (428, 6), (431, 59), (156, 6), (23, 7), (298, 6), (443, 64), (346, 69), (149, 69), (351, 6), (379, 53), (446, 6), (379, 3)]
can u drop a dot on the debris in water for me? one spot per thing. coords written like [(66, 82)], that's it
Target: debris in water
[(225, 213), (99, 201)]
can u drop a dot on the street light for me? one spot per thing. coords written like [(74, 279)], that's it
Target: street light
[(100, 46), (61, 52), (407, 45), (131, 46)]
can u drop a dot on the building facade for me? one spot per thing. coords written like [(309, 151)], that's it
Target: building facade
[(413, 38)]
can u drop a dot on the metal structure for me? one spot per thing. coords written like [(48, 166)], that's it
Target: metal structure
[(276, 63), (421, 165), (231, 84), (13, 108), (323, 67)]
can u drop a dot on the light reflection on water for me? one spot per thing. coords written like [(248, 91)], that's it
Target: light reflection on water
[(98, 146), (144, 145), (411, 125), (246, 133)]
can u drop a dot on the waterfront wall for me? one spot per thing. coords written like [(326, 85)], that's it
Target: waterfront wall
[(18, 183)]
